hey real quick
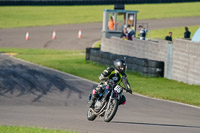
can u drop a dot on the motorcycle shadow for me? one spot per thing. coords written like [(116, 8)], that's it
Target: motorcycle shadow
[(155, 124)]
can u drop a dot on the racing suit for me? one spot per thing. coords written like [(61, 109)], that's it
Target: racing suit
[(111, 73)]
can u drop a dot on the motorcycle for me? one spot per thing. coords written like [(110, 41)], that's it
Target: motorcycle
[(107, 103)]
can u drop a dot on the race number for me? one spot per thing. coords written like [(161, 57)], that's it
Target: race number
[(118, 88)]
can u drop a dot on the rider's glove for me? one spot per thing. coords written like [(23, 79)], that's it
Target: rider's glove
[(129, 91)]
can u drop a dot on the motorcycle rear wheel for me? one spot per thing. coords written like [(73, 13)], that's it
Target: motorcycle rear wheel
[(90, 115), (110, 113)]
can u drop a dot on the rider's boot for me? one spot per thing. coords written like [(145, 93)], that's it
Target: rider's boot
[(93, 98), (92, 102)]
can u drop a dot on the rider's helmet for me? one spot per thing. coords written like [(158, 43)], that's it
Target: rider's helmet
[(120, 65)]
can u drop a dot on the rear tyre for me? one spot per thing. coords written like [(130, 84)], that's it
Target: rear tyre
[(90, 115)]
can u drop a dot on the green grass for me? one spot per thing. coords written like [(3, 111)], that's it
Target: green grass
[(16, 129), (74, 62), (97, 44), (67, 61), (176, 32), (172, 10), (25, 16)]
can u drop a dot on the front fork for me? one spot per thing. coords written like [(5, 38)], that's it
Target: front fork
[(108, 105)]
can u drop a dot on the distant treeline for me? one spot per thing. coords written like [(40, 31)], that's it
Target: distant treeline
[(85, 2)]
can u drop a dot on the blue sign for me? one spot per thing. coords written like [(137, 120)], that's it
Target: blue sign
[(196, 36)]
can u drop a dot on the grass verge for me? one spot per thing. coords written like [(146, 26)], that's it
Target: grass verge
[(16, 129), (176, 32), (97, 44), (73, 62), (26, 16)]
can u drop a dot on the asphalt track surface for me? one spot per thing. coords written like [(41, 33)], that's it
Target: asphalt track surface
[(31, 95), (67, 35)]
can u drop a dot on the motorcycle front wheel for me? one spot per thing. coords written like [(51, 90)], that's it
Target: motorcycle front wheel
[(111, 110)]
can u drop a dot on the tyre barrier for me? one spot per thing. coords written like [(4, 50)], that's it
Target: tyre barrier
[(93, 51), (143, 66)]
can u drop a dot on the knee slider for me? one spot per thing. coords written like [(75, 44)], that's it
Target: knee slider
[(94, 92)]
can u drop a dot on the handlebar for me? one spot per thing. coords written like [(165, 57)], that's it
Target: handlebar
[(111, 82)]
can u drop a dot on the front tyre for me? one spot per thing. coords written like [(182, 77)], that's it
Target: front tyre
[(111, 111), (90, 115)]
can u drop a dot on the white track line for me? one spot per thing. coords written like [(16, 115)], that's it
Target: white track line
[(188, 105), (80, 78)]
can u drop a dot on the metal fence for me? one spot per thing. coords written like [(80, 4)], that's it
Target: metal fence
[(84, 2)]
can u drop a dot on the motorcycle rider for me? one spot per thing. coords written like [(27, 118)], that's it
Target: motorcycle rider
[(117, 74)]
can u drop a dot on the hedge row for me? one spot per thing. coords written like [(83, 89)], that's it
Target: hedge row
[(145, 67)]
